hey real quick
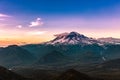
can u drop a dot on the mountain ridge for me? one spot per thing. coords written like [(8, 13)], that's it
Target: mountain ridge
[(15, 55), (72, 38)]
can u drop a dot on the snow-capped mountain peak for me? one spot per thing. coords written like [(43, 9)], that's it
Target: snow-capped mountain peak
[(72, 38)]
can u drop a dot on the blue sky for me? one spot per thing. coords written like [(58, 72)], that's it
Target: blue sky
[(57, 6), (44, 18)]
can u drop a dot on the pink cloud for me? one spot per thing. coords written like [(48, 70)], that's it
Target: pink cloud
[(36, 32), (4, 15), (37, 22), (19, 26)]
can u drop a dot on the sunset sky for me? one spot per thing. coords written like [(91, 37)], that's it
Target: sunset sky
[(36, 21)]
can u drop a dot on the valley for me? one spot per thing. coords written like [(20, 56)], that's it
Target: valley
[(70, 56)]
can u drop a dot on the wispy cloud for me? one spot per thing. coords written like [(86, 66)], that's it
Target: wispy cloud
[(36, 32), (4, 15), (37, 22), (19, 26)]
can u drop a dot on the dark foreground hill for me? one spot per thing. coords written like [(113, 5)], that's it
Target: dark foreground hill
[(9, 75), (72, 74), (41, 74)]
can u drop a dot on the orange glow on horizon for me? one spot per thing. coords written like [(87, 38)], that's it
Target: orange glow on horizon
[(21, 37)]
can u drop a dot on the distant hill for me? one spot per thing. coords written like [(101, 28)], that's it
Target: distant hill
[(53, 57), (110, 40), (111, 52), (70, 54), (14, 55), (110, 65)]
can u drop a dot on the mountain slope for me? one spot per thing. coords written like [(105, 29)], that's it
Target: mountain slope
[(72, 38), (14, 55), (72, 74), (9, 75), (112, 51), (76, 47), (52, 57), (68, 54), (110, 65)]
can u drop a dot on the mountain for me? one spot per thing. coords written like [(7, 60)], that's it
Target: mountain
[(74, 49), (111, 51), (52, 57), (72, 38), (9, 75), (76, 38), (110, 65), (70, 54), (72, 74), (110, 40), (14, 55)]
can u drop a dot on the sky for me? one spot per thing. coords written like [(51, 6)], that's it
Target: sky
[(36, 21)]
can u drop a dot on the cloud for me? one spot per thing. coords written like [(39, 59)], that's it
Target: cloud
[(37, 22), (19, 26), (36, 32), (4, 15), (1, 19)]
